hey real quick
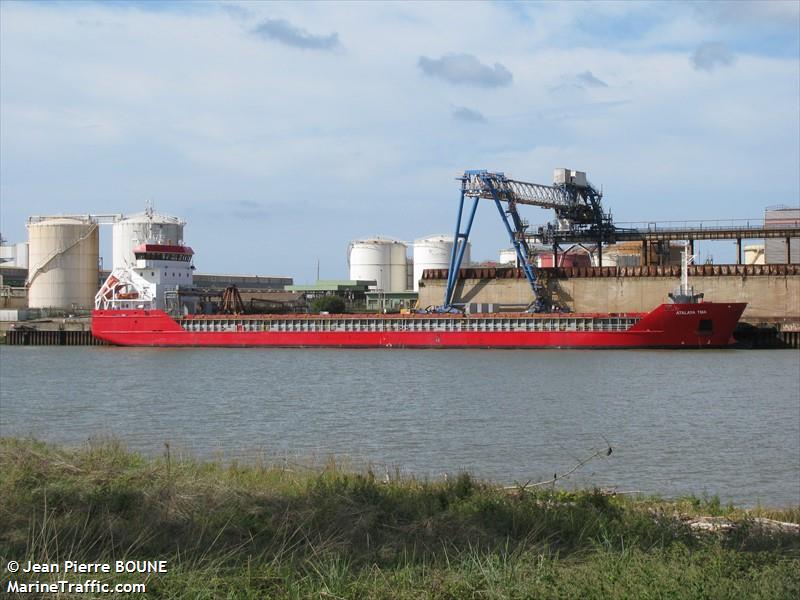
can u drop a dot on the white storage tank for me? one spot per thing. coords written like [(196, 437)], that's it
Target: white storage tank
[(63, 257), (754, 254), (14, 255), (607, 260), (399, 268), (434, 252), (380, 259), (137, 229), (21, 255), (508, 256)]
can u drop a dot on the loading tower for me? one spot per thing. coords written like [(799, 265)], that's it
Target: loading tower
[(577, 206)]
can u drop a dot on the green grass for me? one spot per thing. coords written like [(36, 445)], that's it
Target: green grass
[(262, 531)]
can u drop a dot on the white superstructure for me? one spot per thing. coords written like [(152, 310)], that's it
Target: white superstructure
[(159, 271), (135, 230), (433, 252), (63, 258), (380, 259)]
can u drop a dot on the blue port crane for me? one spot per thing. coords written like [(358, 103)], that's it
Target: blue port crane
[(577, 205)]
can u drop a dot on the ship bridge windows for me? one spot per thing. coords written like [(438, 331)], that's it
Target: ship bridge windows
[(176, 256)]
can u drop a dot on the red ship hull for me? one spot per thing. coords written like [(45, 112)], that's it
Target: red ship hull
[(702, 325)]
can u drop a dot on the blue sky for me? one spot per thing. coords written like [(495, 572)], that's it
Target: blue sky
[(282, 131)]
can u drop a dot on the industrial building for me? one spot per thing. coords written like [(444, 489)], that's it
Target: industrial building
[(781, 250), (353, 292), (358, 295), (621, 254)]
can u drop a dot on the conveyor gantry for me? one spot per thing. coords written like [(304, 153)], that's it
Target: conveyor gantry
[(576, 202)]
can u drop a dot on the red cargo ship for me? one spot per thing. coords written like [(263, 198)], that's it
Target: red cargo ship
[(697, 325), (135, 307)]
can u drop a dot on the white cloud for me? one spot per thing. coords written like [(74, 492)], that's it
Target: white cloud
[(465, 69), (284, 32), (101, 108)]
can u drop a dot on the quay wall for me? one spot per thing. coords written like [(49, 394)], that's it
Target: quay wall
[(772, 292)]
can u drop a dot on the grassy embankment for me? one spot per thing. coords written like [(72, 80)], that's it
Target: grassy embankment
[(261, 531)]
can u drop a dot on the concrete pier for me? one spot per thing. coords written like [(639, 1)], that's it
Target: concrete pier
[(36, 337), (75, 331), (771, 291)]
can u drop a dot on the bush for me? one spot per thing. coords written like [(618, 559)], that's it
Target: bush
[(331, 304)]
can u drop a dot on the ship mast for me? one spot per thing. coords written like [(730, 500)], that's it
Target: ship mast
[(685, 293), (685, 258)]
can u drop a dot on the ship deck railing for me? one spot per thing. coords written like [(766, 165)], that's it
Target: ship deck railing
[(345, 324)]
